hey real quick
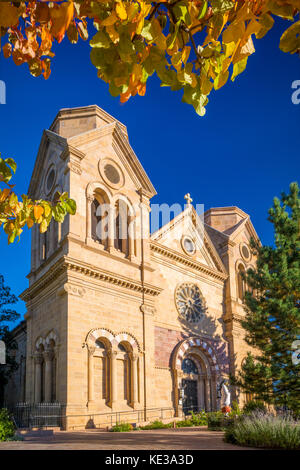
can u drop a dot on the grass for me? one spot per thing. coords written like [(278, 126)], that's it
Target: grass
[(265, 431)]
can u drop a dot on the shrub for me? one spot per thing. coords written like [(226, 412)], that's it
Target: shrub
[(216, 421), (199, 419), (157, 425), (121, 427), (7, 427), (265, 431), (184, 424), (254, 405), (235, 410)]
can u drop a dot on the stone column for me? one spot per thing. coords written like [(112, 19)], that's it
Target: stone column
[(89, 200), (134, 379), (114, 377), (131, 237), (90, 374), (38, 360), (201, 393), (214, 393), (207, 394), (48, 357), (111, 228)]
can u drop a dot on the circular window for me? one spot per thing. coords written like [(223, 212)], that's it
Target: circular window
[(245, 251), (189, 302), (111, 173), (50, 180), (188, 245)]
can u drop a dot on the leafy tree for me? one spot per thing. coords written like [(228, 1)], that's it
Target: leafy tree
[(272, 304), (15, 214), (7, 315), (190, 45)]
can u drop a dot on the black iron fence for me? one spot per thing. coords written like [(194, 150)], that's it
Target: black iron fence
[(37, 415), (42, 415)]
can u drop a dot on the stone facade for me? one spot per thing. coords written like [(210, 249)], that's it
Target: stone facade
[(134, 322)]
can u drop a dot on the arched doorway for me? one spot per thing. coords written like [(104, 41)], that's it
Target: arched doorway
[(195, 372)]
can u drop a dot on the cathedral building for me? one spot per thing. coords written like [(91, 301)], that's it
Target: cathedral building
[(121, 320)]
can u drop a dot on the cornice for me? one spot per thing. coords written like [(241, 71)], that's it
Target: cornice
[(185, 260), (66, 264)]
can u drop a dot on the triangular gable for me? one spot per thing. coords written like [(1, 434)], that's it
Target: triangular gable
[(188, 223), (123, 150), (48, 137), (243, 225)]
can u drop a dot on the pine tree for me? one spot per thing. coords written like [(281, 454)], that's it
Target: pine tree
[(7, 315), (272, 304)]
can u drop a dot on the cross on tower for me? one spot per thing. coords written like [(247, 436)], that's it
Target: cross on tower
[(188, 199)]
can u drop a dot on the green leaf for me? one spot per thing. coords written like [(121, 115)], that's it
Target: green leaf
[(290, 40), (238, 68), (100, 39), (11, 163), (71, 206), (203, 10)]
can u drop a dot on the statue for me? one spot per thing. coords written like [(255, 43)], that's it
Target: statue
[(223, 387)]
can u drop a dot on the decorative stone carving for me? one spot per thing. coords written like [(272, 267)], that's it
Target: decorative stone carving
[(72, 290)]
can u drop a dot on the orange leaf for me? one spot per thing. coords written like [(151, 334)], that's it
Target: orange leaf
[(7, 48), (61, 16), (4, 194), (9, 15), (38, 211)]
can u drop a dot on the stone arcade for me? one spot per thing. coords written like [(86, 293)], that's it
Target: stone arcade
[(126, 323)]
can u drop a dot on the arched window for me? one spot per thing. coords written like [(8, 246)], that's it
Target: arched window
[(99, 217), (51, 348), (241, 285), (124, 372), (188, 366), (102, 371)]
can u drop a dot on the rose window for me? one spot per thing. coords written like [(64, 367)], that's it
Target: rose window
[(189, 302)]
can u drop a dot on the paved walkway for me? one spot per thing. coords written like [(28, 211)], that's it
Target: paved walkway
[(162, 439)]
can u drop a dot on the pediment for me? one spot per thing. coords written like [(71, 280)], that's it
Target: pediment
[(51, 147), (122, 149), (189, 225)]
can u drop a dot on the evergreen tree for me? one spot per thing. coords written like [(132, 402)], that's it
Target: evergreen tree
[(272, 305), (7, 315)]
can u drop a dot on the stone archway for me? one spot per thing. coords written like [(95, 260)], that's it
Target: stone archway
[(200, 381)]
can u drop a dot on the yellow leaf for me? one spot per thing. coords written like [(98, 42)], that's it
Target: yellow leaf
[(43, 226), (121, 10), (185, 54), (110, 20)]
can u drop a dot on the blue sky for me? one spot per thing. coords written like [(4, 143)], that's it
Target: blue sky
[(243, 152)]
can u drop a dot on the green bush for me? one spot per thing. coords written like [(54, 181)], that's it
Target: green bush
[(265, 431), (199, 419), (121, 427), (216, 421), (7, 427), (184, 424), (235, 410), (157, 425), (254, 405)]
